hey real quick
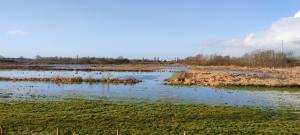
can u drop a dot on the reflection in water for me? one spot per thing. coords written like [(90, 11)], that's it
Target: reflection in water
[(151, 88)]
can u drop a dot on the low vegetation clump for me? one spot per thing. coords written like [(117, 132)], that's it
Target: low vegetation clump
[(75, 80), (219, 79), (84, 117)]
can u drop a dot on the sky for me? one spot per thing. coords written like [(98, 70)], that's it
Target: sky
[(146, 28)]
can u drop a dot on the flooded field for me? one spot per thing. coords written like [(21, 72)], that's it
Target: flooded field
[(151, 88)]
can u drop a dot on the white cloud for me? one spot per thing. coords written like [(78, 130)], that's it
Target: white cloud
[(285, 29), (297, 15), (18, 33)]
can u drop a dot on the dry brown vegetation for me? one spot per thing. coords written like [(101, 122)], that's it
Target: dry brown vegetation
[(219, 76), (284, 70), (75, 80)]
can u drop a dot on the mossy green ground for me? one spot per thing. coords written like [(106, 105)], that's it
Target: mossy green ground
[(261, 88), (103, 117)]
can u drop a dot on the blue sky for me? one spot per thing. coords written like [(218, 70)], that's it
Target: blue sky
[(133, 28)]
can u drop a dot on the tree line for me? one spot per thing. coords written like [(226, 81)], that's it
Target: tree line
[(258, 58), (82, 60)]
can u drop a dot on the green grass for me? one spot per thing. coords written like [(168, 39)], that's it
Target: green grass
[(104, 117), (262, 88), (175, 74)]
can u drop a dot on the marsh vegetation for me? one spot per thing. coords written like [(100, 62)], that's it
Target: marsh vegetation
[(74, 80), (231, 78), (102, 117)]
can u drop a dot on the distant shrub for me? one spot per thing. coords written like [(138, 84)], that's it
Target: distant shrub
[(258, 58)]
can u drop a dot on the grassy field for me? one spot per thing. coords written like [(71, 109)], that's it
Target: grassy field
[(104, 117)]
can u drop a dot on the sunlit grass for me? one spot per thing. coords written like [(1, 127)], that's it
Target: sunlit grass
[(106, 117)]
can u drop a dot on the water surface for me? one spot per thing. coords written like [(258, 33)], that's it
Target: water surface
[(151, 89)]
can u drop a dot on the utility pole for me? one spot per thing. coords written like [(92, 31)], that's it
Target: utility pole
[(282, 47), (282, 53), (77, 58)]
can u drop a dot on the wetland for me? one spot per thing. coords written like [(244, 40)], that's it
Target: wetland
[(147, 107)]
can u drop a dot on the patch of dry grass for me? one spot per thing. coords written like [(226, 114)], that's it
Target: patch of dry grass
[(75, 80), (267, 77)]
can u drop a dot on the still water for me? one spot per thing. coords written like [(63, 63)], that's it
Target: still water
[(151, 89)]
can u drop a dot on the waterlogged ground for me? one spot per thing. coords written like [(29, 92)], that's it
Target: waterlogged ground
[(151, 89), (94, 117)]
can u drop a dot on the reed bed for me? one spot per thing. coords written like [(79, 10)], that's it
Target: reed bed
[(218, 79)]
